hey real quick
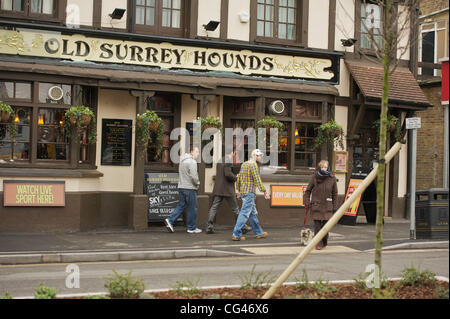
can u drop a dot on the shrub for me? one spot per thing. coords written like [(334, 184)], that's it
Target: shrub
[(43, 292), (6, 296), (124, 286), (256, 280), (186, 288), (413, 277)]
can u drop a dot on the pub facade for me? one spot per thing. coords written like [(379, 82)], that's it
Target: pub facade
[(233, 60)]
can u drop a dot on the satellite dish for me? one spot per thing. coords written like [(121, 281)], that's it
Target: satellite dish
[(55, 93), (277, 107)]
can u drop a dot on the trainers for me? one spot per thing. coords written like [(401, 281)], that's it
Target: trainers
[(237, 238), (263, 235), (168, 225), (194, 231)]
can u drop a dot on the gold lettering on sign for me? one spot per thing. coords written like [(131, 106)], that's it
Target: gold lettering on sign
[(163, 55)]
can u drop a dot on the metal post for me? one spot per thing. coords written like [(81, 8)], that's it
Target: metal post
[(412, 184)]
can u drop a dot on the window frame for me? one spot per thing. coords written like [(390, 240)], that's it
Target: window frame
[(158, 29), (58, 16), (260, 112), (175, 115), (301, 27), (73, 160)]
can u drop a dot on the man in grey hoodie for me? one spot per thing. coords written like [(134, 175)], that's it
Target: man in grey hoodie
[(187, 188)]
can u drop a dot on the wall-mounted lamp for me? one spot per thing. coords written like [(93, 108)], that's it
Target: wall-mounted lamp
[(211, 26), (117, 14), (348, 42)]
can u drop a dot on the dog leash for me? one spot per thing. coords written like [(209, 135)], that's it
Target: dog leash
[(306, 215)]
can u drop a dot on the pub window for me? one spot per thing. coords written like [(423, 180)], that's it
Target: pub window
[(243, 111), (164, 104), (371, 26), (29, 7), (282, 112), (49, 143), (277, 20), (308, 119), (162, 17)]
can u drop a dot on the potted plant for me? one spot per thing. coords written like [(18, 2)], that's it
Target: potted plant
[(330, 132), (209, 122), (149, 128), (81, 117), (7, 116)]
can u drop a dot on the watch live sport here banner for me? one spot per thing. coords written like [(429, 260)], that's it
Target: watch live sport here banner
[(287, 195), (34, 193), (352, 186)]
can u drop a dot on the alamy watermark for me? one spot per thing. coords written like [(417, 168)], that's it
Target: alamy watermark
[(235, 140)]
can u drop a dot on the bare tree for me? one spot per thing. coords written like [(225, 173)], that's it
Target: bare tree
[(390, 44)]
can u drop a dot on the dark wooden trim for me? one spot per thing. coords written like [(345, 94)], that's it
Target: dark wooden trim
[(224, 5), (193, 19), (332, 25), (58, 17), (97, 14), (304, 22), (49, 172)]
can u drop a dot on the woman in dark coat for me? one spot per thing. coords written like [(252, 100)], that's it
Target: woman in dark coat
[(321, 199)]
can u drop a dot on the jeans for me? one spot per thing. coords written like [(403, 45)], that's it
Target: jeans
[(187, 198), (248, 212)]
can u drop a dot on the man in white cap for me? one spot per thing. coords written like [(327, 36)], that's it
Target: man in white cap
[(247, 181)]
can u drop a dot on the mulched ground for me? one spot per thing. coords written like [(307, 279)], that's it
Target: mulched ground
[(329, 291)]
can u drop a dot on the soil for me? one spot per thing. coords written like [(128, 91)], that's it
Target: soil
[(328, 291)]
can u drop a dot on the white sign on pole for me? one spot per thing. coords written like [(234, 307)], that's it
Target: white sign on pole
[(413, 122)]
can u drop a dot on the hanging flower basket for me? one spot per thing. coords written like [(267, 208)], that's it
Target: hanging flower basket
[(330, 132), (81, 117), (209, 122), (6, 111), (149, 128), (7, 116)]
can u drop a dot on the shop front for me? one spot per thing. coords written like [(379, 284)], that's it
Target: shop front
[(116, 183)]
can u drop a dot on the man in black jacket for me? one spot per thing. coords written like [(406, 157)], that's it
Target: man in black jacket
[(224, 188)]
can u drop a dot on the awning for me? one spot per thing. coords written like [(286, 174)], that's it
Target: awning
[(105, 76), (403, 87)]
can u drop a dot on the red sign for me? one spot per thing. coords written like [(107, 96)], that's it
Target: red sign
[(444, 81)]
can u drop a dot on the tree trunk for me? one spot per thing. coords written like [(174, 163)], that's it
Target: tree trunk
[(382, 139)]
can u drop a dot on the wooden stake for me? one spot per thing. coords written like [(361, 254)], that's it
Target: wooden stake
[(330, 224)]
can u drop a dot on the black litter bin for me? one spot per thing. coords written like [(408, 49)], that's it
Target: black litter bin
[(432, 213)]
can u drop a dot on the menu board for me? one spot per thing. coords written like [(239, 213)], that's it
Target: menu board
[(116, 142), (162, 191), (349, 217)]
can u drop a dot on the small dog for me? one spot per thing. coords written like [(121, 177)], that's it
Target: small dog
[(306, 235)]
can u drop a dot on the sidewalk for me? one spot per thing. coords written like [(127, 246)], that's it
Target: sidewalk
[(157, 243)]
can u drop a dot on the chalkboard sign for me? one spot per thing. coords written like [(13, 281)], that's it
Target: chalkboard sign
[(116, 142), (162, 192)]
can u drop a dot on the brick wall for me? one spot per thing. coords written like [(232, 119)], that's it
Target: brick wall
[(430, 144), (430, 6)]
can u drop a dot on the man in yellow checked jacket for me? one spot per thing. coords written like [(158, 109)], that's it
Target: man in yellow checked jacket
[(247, 181)]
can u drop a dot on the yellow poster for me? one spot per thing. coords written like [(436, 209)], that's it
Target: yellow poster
[(352, 186)]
